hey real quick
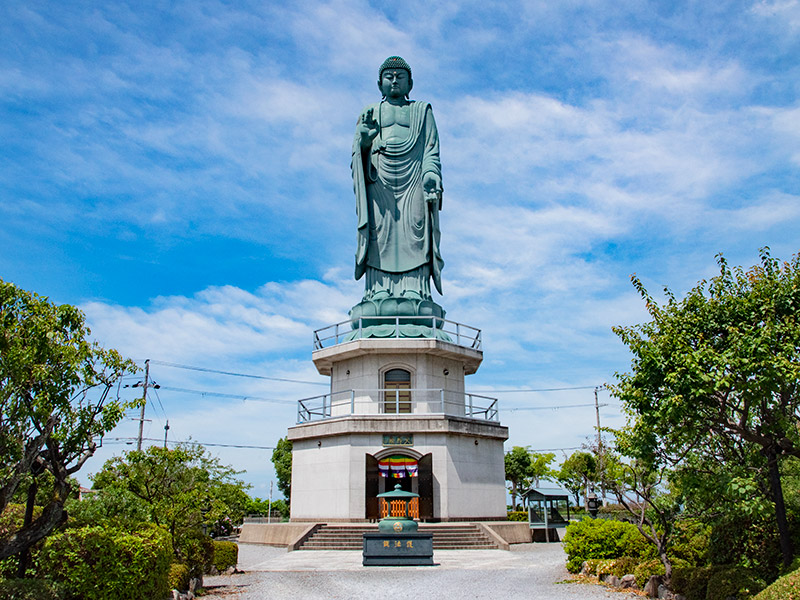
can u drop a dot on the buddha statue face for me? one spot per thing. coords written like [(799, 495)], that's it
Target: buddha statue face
[(395, 83)]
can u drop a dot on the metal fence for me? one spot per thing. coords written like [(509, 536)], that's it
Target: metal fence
[(432, 327), (397, 402)]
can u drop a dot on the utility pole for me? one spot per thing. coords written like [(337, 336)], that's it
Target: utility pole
[(599, 447), (166, 430), (269, 512), (144, 403)]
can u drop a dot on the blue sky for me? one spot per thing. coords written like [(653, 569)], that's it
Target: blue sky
[(180, 171)]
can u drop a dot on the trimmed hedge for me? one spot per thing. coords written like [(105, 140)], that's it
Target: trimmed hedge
[(724, 582), (715, 583), (178, 577), (611, 566), (599, 538), (28, 589), (517, 515), (785, 588), (96, 563), (197, 553), (646, 569), (226, 554)]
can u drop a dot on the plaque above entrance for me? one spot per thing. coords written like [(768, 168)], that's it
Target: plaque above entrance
[(401, 439)]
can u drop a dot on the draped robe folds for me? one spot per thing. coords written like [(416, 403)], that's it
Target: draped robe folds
[(398, 230)]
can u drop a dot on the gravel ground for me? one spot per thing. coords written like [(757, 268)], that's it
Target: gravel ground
[(529, 571)]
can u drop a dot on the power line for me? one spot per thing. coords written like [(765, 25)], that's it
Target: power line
[(163, 412), (232, 373), (559, 389), (130, 440), (548, 407), (224, 395)]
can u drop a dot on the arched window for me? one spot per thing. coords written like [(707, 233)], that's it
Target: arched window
[(397, 394)]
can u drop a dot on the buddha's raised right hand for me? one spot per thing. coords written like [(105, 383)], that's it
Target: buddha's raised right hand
[(367, 128)]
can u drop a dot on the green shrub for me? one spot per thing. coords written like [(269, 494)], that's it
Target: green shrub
[(28, 589), (599, 538), (592, 565), (646, 569), (747, 542), (715, 582), (108, 508), (11, 520), (623, 566), (692, 582), (226, 554), (178, 577), (724, 582), (785, 588), (517, 515), (690, 543), (197, 553), (96, 563)]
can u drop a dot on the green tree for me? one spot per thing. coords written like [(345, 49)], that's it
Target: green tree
[(641, 489), (54, 404), (282, 460), (184, 490), (576, 472), (518, 471), (716, 374), (540, 466)]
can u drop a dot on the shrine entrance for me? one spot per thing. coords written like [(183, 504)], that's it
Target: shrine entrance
[(413, 473)]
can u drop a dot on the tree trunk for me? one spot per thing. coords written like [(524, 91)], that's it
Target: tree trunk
[(780, 507), (52, 516), (23, 556), (667, 568)]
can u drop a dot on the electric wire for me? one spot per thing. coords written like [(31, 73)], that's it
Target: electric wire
[(163, 412), (548, 407), (232, 373), (130, 440), (225, 395), (558, 389)]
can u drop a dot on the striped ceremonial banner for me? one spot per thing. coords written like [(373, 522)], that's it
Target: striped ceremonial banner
[(397, 466)]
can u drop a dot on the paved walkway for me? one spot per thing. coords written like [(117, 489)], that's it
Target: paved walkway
[(528, 571)]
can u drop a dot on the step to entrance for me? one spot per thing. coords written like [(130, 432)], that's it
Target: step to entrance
[(445, 537)]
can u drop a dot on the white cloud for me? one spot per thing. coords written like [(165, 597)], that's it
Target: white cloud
[(221, 322), (783, 12)]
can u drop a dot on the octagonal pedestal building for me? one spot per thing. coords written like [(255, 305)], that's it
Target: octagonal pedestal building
[(398, 413)]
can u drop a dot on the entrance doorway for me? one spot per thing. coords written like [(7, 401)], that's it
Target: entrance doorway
[(384, 474)]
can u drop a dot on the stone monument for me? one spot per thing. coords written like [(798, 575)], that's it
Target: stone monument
[(397, 411)]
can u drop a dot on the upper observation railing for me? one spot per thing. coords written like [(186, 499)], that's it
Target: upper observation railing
[(393, 401), (398, 327)]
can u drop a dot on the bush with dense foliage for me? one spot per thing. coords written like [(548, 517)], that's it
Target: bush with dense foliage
[(646, 569), (785, 588), (692, 582), (226, 554), (196, 552), (178, 577), (97, 563), (517, 515), (726, 582), (28, 589), (747, 541), (600, 538), (718, 582)]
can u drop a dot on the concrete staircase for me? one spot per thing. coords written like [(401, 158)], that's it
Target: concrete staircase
[(462, 536)]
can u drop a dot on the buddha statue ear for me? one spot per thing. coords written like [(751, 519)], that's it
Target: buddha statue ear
[(410, 83), (379, 88)]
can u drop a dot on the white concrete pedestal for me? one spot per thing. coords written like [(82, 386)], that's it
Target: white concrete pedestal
[(454, 436)]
